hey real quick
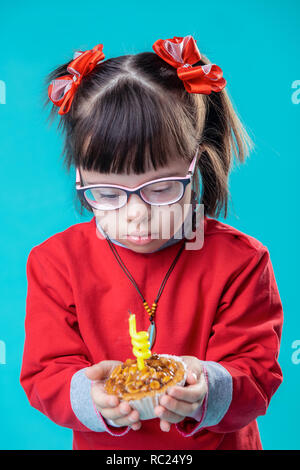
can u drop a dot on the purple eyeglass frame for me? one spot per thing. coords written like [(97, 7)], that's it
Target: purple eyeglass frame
[(186, 180)]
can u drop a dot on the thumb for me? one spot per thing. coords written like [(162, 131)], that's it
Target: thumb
[(191, 377), (101, 370)]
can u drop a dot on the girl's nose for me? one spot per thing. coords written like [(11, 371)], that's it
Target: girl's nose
[(136, 208)]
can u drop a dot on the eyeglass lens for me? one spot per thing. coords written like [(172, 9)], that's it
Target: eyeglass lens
[(164, 192)]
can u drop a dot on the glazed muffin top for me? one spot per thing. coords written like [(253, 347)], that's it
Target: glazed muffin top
[(159, 373)]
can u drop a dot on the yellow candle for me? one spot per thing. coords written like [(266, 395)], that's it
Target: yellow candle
[(140, 343)]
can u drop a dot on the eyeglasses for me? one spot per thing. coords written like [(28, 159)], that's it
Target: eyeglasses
[(158, 192)]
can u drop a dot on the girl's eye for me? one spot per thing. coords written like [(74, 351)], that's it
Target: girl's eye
[(161, 190), (109, 196)]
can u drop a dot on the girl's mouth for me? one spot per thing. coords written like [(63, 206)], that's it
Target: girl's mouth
[(140, 240)]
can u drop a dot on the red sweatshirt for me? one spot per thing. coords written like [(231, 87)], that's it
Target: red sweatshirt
[(220, 304)]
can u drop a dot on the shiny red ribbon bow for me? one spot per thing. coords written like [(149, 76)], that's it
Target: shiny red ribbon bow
[(182, 53), (61, 91)]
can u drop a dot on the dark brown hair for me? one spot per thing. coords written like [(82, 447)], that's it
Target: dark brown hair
[(132, 113)]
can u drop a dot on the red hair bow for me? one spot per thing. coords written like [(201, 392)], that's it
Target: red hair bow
[(61, 90), (182, 53)]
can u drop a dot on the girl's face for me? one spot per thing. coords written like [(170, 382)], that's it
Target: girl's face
[(138, 217)]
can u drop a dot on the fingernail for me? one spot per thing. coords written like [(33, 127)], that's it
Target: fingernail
[(136, 427), (132, 419), (124, 408)]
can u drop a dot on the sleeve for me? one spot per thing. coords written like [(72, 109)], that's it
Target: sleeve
[(55, 355), (241, 366)]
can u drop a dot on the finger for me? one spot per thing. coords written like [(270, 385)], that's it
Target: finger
[(189, 393), (128, 420), (123, 414), (179, 407), (191, 378), (166, 415), (193, 363), (120, 411), (136, 426), (164, 425), (101, 370), (103, 399)]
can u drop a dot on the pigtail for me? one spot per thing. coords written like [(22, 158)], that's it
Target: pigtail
[(66, 126), (223, 137)]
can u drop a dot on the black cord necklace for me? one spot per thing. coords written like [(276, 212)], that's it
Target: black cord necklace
[(151, 311)]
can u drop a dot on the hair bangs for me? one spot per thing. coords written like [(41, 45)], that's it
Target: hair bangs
[(131, 129)]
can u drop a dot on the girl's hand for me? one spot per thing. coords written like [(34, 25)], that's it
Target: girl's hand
[(181, 401), (110, 406)]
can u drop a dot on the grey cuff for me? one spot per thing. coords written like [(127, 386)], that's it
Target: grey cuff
[(82, 403), (219, 394)]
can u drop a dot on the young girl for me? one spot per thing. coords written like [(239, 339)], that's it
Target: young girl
[(148, 133)]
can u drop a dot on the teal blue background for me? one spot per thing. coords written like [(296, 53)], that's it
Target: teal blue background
[(257, 45)]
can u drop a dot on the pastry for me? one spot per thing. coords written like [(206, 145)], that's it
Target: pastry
[(142, 388)]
